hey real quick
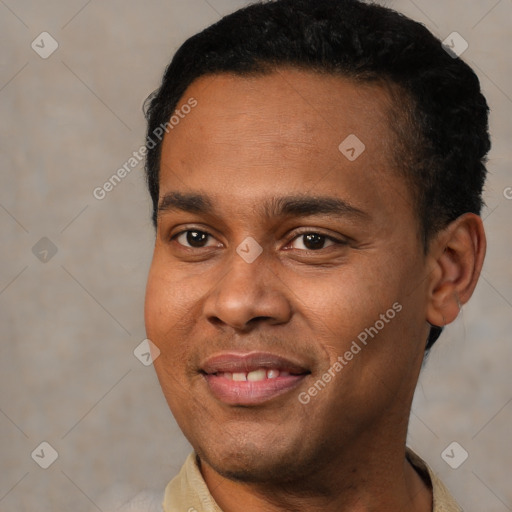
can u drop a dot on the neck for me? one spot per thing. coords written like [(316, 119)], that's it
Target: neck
[(373, 478)]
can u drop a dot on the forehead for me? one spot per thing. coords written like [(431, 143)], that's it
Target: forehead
[(285, 106), (289, 130)]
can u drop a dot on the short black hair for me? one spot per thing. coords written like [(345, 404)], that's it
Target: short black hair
[(439, 116)]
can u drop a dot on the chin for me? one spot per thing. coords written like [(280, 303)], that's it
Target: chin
[(256, 462), (252, 469)]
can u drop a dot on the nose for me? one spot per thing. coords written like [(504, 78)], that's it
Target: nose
[(246, 295)]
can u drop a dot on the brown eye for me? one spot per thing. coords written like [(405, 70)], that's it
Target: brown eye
[(192, 238), (313, 241)]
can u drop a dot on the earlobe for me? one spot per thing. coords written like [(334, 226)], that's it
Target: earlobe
[(458, 254)]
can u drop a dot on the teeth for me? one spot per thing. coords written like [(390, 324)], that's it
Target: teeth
[(254, 376), (257, 375)]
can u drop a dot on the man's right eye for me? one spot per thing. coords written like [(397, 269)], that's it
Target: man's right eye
[(193, 238)]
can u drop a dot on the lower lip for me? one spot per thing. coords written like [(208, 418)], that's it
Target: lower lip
[(234, 392)]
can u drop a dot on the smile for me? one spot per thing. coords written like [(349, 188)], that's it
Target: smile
[(251, 379)]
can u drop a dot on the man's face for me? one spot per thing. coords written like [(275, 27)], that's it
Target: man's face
[(221, 312)]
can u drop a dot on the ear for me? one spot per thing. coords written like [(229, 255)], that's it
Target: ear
[(457, 255)]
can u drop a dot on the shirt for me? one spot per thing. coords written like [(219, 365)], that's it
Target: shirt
[(188, 492)]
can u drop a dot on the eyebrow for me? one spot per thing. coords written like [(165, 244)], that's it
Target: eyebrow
[(285, 206)]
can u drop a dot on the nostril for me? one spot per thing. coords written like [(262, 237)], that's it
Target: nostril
[(259, 319), (215, 320)]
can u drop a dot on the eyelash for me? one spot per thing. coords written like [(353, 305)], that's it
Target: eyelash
[(297, 235)]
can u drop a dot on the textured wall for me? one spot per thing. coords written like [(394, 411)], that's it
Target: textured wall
[(72, 318)]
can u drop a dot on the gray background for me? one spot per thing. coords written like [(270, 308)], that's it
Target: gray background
[(70, 324)]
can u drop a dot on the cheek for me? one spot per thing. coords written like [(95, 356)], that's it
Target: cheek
[(344, 302), (154, 304), (163, 303), (171, 314), (164, 317), (366, 301)]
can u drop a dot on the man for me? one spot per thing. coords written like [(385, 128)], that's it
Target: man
[(316, 170)]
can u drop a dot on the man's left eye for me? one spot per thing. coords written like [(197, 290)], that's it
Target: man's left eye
[(314, 241)]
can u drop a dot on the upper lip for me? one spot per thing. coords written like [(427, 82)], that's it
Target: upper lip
[(247, 362)]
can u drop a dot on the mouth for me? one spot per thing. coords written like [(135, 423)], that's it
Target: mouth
[(251, 378)]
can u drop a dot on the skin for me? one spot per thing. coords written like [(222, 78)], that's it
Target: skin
[(254, 138)]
